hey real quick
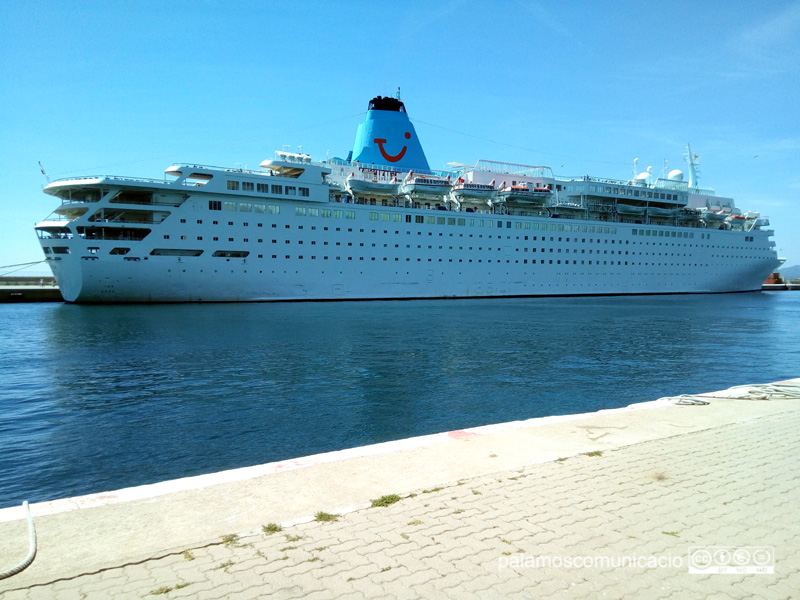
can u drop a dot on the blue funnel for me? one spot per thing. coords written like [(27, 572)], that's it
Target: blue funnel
[(387, 137)]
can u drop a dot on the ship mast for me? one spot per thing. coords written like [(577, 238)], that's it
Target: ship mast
[(694, 170)]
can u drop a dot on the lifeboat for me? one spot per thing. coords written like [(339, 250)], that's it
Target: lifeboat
[(655, 211), (465, 191), (425, 186), (627, 209), (524, 194), (370, 183)]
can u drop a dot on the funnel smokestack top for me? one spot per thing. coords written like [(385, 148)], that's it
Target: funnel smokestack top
[(387, 103), (387, 137)]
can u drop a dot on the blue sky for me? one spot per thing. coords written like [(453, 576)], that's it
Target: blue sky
[(126, 88)]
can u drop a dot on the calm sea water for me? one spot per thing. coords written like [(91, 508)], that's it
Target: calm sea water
[(95, 398)]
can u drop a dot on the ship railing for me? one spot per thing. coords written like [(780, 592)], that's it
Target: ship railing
[(493, 166), (246, 170), (658, 184), (557, 203), (605, 180), (110, 178), (127, 221), (58, 218), (377, 167), (671, 184), (700, 191)]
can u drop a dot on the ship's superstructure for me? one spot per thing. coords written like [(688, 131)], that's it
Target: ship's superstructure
[(381, 224)]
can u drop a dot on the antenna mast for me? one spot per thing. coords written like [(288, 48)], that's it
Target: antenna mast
[(694, 170)]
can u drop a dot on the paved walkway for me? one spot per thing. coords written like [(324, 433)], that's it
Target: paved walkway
[(714, 487)]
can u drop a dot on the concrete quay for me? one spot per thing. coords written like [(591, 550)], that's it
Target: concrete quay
[(614, 504), (29, 289)]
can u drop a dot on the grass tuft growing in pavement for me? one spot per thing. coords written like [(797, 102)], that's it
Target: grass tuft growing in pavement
[(166, 590), (324, 517), (270, 528), (386, 500)]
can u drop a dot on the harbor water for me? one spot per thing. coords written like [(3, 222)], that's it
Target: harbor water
[(96, 398)]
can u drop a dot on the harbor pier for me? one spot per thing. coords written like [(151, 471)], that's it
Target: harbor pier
[(665, 498), (29, 289)]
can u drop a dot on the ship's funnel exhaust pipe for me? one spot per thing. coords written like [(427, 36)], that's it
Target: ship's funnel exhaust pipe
[(387, 137)]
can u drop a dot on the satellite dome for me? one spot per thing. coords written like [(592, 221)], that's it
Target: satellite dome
[(675, 175)]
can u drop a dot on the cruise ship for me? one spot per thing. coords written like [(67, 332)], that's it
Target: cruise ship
[(381, 224)]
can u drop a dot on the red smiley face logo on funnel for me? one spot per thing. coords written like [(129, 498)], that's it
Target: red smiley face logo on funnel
[(389, 157)]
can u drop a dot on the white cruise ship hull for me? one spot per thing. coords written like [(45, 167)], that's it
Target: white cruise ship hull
[(315, 258), (292, 231)]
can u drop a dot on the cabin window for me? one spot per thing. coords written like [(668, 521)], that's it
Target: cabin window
[(120, 251), (304, 192), (174, 252), (263, 188), (273, 209), (132, 197), (291, 190), (245, 207), (247, 186), (277, 189), (214, 205), (233, 185), (229, 206)]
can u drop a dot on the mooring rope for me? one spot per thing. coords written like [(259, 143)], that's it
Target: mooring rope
[(761, 391), (32, 547)]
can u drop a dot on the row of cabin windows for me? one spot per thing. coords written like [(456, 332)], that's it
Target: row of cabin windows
[(246, 253), (664, 233), (435, 220), (480, 248), (639, 232), (622, 192), (266, 188), (506, 261), (399, 218)]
